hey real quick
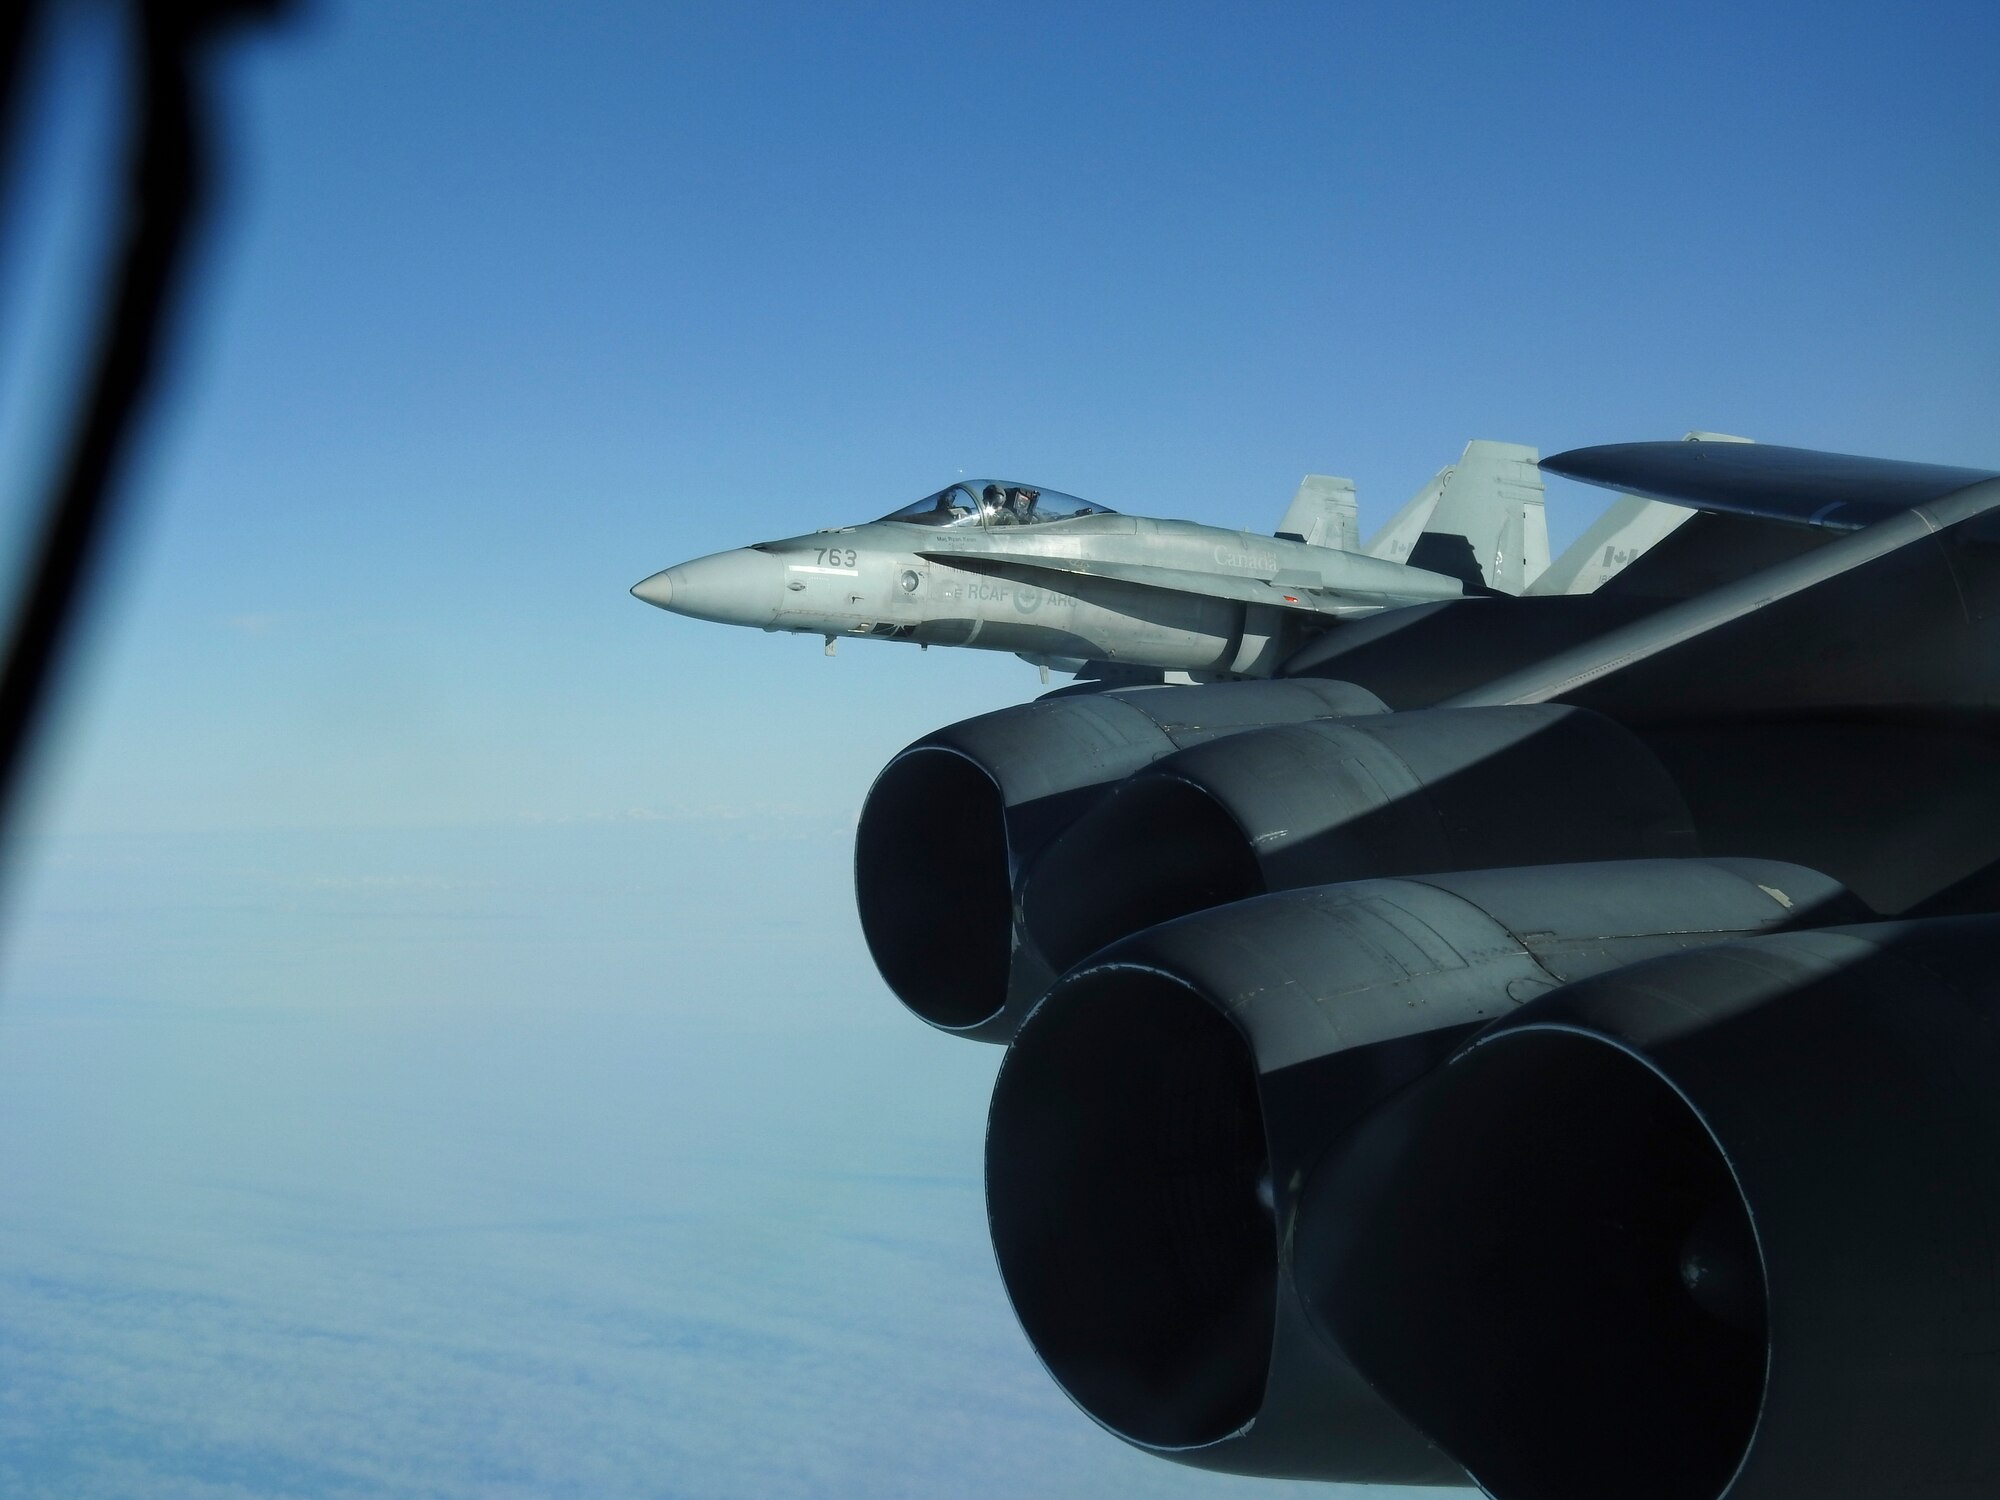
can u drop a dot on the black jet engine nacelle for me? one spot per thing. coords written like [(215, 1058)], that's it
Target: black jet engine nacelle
[(951, 821), (1161, 1112), (1725, 1223), (1332, 800)]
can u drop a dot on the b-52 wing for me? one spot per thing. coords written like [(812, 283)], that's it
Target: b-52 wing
[(1838, 491)]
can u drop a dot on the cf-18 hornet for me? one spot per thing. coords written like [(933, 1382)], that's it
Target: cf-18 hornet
[(1006, 566)]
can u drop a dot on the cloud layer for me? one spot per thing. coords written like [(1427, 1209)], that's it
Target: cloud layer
[(530, 1192)]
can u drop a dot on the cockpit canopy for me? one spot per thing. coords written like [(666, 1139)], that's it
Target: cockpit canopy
[(994, 502)]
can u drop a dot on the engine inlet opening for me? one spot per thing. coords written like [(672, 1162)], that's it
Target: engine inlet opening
[(1543, 1259), (1157, 849), (1125, 1167), (933, 885)]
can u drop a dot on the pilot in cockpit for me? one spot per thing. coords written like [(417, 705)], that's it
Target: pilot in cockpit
[(993, 507)]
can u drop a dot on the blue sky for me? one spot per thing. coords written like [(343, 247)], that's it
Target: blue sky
[(371, 757), (518, 303)]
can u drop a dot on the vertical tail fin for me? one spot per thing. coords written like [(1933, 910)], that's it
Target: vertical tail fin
[(1398, 538), (1324, 514), (1479, 521), (1534, 535), (1629, 528)]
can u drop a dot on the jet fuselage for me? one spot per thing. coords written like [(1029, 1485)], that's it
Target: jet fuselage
[(1170, 595)]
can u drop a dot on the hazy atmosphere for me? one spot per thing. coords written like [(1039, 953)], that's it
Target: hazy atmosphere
[(437, 1052)]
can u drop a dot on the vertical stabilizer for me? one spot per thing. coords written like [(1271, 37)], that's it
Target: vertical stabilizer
[(1487, 528), (1534, 539), (1323, 514), (1396, 540), (1628, 529)]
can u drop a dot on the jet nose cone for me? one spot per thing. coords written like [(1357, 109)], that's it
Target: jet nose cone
[(659, 589), (744, 587)]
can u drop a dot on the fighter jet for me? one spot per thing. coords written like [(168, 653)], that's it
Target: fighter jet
[(1007, 566)]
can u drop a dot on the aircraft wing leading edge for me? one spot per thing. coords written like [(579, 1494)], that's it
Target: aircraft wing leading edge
[(1839, 491), (1883, 505)]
